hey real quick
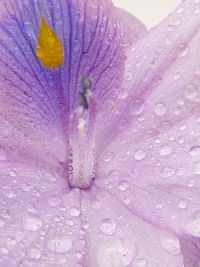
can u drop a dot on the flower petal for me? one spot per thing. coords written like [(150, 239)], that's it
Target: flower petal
[(118, 238), (153, 164), (39, 220), (132, 28), (89, 32)]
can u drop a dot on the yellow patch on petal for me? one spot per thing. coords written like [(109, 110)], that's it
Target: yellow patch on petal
[(49, 46)]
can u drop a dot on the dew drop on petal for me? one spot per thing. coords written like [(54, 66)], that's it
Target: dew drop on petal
[(165, 150), (182, 204), (159, 205), (34, 253), (32, 222), (74, 211), (137, 107), (167, 172), (182, 50), (195, 151), (160, 109), (59, 243), (192, 224), (139, 155), (190, 91), (107, 226), (171, 245), (123, 186), (197, 167), (108, 156)]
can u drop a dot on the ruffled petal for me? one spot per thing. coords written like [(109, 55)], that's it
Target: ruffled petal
[(153, 164), (39, 219), (118, 238)]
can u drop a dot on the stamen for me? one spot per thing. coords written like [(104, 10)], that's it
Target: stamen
[(82, 139), (86, 93)]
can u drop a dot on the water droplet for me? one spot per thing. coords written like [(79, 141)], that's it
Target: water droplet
[(197, 167), (195, 151), (159, 205), (107, 226), (171, 245), (108, 156), (176, 75), (137, 107), (139, 155), (32, 222), (165, 150), (182, 204), (74, 211), (59, 243), (116, 252), (182, 50), (123, 186), (190, 91), (160, 109), (127, 201), (190, 182), (35, 253), (167, 172)]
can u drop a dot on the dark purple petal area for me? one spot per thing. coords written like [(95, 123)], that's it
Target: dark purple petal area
[(35, 101)]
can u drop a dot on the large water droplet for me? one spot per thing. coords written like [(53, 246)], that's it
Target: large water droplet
[(195, 151), (59, 243), (182, 50), (34, 253), (107, 226), (74, 211), (108, 156), (32, 222), (171, 245), (160, 109), (182, 204), (167, 172), (123, 186), (137, 107), (197, 167), (165, 150), (139, 154), (190, 91)]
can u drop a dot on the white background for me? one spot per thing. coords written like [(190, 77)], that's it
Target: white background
[(150, 12)]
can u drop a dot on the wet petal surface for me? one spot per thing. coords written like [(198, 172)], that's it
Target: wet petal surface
[(153, 164)]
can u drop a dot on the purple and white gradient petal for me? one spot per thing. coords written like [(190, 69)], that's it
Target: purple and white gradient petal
[(111, 180)]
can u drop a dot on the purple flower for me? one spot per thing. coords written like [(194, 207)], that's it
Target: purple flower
[(99, 136)]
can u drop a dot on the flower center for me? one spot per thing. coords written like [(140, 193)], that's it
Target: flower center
[(82, 138)]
